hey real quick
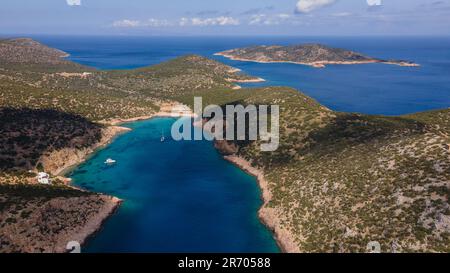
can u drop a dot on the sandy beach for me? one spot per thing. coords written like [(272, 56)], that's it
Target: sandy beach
[(118, 121), (245, 81)]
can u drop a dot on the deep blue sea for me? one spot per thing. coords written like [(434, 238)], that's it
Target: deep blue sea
[(370, 88), (182, 196)]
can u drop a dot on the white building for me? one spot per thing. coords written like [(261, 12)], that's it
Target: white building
[(43, 178)]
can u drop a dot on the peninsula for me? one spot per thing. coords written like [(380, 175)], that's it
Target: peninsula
[(315, 55)]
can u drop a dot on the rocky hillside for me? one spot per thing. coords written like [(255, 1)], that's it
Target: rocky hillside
[(17, 53), (29, 135), (25, 50), (309, 54), (341, 180), (39, 218)]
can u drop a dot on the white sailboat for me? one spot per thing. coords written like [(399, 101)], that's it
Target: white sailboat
[(110, 161), (162, 136)]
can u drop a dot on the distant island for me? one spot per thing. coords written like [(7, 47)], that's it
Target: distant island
[(315, 55)]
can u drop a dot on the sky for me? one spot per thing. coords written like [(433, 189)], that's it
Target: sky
[(226, 17)]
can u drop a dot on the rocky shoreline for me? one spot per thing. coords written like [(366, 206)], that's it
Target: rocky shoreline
[(268, 216), (62, 161), (93, 225), (59, 162), (51, 218), (321, 64)]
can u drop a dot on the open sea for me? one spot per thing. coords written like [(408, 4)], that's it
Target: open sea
[(182, 196), (368, 88)]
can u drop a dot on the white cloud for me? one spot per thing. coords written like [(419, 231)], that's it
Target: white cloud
[(257, 19), (342, 14), (283, 16), (156, 23), (126, 23), (305, 6), (73, 2), (374, 2), (273, 19), (215, 21), (152, 22), (196, 21)]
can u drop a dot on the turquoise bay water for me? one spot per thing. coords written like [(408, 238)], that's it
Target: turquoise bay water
[(178, 196)]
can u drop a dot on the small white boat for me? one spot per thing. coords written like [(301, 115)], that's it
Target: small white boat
[(110, 161), (162, 136)]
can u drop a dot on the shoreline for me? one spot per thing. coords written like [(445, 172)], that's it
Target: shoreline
[(77, 157), (95, 224), (112, 203), (70, 158), (236, 70), (115, 129), (254, 80), (322, 64), (267, 216), (118, 121)]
